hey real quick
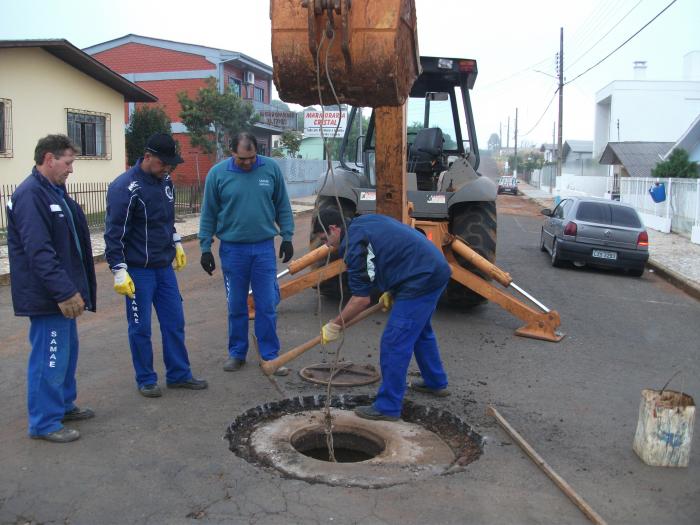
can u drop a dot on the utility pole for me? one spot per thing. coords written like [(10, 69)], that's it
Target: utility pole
[(508, 135), (561, 99), (515, 159), (554, 134)]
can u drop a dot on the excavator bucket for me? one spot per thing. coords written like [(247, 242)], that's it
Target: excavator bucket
[(371, 49)]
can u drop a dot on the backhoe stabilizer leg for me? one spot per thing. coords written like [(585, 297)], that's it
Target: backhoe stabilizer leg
[(539, 325)]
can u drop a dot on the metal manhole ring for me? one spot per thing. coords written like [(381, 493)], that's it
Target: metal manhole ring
[(346, 374)]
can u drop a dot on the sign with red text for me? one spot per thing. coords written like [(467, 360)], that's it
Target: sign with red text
[(332, 122)]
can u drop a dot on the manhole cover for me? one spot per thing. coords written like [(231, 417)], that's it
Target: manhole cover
[(290, 436), (345, 374)]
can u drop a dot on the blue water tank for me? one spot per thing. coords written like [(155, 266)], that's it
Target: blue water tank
[(658, 192)]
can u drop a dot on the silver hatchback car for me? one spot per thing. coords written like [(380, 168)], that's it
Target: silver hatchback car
[(597, 232)]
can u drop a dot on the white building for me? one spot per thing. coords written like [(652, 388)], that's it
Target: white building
[(647, 110)]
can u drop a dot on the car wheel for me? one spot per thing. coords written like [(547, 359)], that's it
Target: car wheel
[(636, 272), (556, 260), (543, 248)]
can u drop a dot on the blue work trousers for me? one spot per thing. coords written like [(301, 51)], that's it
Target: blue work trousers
[(408, 332), (51, 386), (157, 287), (251, 265)]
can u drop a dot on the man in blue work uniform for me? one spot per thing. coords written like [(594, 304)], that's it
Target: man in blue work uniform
[(141, 245), (53, 282), (383, 254), (246, 205)]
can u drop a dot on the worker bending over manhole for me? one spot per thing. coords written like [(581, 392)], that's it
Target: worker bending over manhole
[(382, 253)]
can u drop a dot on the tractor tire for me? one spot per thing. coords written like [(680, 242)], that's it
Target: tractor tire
[(476, 224), (331, 287)]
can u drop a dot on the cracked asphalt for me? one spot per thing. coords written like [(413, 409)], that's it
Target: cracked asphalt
[(163, 461)]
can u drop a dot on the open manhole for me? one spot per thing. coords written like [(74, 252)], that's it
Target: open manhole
[(290, 436), (345, 374), (348, 447)]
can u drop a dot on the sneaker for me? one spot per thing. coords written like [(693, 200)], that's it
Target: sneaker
[(190, 384), (370, 412), (65, 435), (78, 414), (281, 371), (419, 386), (233, 364), (150, 390)]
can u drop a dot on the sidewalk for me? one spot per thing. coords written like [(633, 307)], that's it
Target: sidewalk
[(670, 255), (187, 227)]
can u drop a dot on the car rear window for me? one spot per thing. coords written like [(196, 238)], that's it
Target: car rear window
[(602, 213), (624, 216)]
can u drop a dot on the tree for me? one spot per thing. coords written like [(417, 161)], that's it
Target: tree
[(291, 141), (494, 141), (278, 104), (212, 118), (145, 121), (677, 165)]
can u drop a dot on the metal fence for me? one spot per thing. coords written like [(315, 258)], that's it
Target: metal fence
[(92, 197), (681, 207)]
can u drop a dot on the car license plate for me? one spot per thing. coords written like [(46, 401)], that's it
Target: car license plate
[(602, 254)]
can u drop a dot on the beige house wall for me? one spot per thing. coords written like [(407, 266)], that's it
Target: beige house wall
[(41, 87)]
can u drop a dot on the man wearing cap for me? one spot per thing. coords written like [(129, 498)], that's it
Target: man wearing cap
[(142, 247)]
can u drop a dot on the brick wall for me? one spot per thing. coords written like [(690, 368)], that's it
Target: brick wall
[(167, 90), (140, 58)]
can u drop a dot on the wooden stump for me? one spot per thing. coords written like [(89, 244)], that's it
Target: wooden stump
[(665, 428)]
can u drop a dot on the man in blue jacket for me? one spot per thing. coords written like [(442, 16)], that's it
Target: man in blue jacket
[(53, 282), (246, 206), (141, 244), (383, 254)]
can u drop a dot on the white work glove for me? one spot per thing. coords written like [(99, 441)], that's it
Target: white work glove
[(180, 258), (330, 332), (123, 284)]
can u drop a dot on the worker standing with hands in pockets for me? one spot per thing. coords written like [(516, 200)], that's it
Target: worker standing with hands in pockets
[(141, 247)]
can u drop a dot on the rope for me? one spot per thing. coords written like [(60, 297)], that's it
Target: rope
[(328, 418)]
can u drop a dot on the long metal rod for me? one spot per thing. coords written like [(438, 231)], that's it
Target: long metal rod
[(520, 290), (281, 274)]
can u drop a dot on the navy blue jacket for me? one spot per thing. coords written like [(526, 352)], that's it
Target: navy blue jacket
[(140, 220), (46, 266), (385, 254)]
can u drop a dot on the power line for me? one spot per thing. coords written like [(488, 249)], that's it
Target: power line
[(543, 114), (621, 45), (606, 34)]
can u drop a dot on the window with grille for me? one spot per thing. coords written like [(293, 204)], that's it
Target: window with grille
[(5, 127), (90, 131), (234, 85), (259, 94)]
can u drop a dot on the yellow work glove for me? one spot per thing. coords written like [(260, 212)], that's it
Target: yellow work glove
[(330, 332), (387, 301), (180, 258), (123, 284)]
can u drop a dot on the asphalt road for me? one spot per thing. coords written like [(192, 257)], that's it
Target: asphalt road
[(163, 461)]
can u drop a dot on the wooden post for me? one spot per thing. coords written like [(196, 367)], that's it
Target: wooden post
[(544, 466), (390, 163)]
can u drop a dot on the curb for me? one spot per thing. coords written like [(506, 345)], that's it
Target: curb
[(676, 279)]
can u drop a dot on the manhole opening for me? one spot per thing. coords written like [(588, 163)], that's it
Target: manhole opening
[(348, 447)]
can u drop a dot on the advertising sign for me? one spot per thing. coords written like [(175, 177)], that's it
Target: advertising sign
[(279, 119), (314, 120)]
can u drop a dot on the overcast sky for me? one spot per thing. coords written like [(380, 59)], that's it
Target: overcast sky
[(510, 39)]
